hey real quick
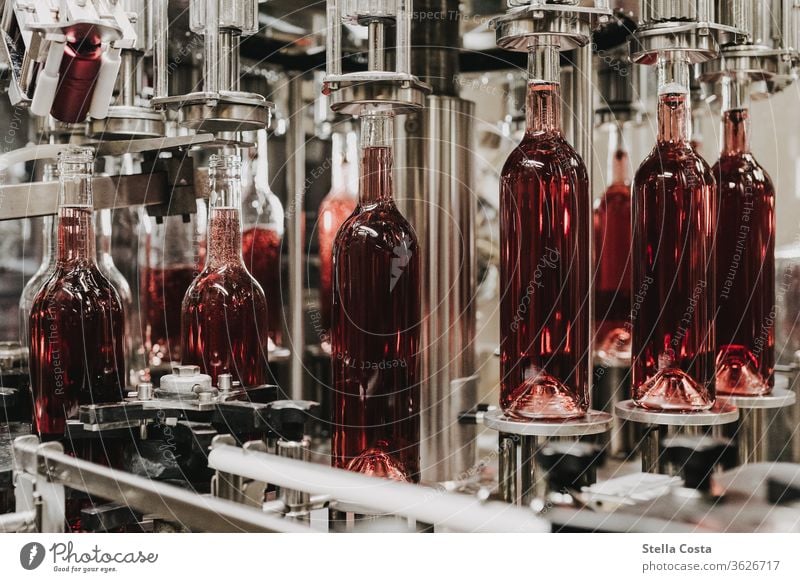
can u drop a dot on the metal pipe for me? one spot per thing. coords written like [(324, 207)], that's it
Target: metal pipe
[(443, 509), (160, 29), (18, 522), (296, 162), (376, 57), (194, 511)]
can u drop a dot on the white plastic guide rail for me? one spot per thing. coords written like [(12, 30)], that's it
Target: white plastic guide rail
[(443, 509)]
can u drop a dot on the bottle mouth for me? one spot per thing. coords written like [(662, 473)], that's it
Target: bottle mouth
[(224, 162), (74, 154)]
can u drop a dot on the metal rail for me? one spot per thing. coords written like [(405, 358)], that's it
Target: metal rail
[(195, 511)]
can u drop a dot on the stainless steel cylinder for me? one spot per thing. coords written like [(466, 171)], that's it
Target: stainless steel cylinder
[(664, 10), (435, 189)]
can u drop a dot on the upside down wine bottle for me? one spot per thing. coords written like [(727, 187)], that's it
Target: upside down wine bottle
[(376, 323), (77, 319), (545, 218), (224, 319), (674, 216), (745, 255), (612, 248)]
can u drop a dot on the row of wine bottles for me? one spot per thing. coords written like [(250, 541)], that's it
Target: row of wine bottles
[(685, 261)]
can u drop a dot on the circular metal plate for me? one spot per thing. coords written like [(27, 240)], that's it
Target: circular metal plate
[(351, 99), (568, 26), (721, 413), (699, 41), (594, 422), (778, 399), (127, 122)]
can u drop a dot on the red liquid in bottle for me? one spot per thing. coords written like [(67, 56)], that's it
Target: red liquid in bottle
[(161, 296), (376, 326), (76, 326), (745, 265), (612, 247), (78, 72), (334, 210), (224, 310), (674, 210), (261, 249), (544, 267)]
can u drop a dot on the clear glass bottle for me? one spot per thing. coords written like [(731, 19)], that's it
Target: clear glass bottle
[(225, 318), (674, 222), (612, 248), (745, 255), (334, 209), (77, 353), (263, 219), (545, 214), (375, 326), (46, 268)]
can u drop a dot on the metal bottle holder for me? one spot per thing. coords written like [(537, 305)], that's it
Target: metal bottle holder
[(771, 52), (378, 86), (686, 26), (36, 34), (220, 106), (128, 117)]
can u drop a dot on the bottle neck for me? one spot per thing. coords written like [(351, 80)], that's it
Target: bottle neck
[(674, 104), (735, 116), (76, 242), (543, 110), (375, 184), (619, 169), (224, 224)]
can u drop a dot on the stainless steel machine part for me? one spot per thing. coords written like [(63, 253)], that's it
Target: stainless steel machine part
[(48, 463)]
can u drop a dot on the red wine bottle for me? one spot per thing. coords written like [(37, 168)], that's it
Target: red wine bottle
[(77, 322), (334, 209), (262, 239), (674, 222), (224, 318), (171, 255), (545, 213), (745, 256), (376, 323), (612, 248)]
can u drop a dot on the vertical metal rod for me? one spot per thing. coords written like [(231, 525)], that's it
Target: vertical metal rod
[(296, 162), (583, 133), (527, 468), (160, 42), (212, 47), (751, 438), (650, 447), (508, 467), (377, 46)]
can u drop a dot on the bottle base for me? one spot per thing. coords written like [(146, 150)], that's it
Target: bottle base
[(738, 374), (376, 462), (543, 397), (673, 390), (614, 348)]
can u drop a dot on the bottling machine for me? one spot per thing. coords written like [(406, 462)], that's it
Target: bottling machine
[(316, 349)]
